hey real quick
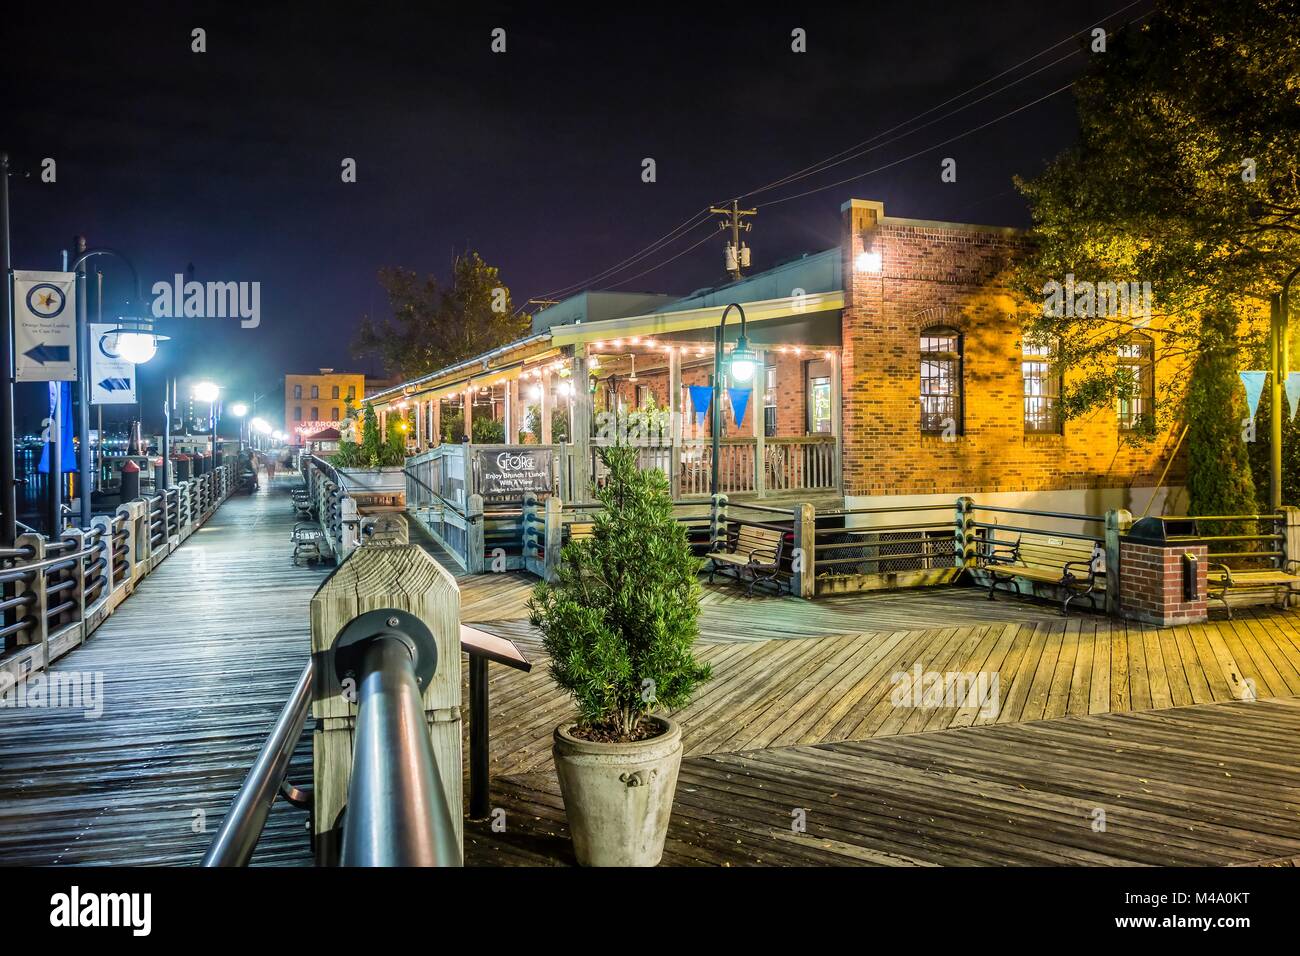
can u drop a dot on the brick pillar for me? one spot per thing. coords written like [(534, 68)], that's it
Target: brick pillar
[(1151, 583), (863, 372)]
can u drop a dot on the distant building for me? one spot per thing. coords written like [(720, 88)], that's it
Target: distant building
[(318, 401)]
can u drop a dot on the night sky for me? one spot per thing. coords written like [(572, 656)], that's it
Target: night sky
[(229, 160)]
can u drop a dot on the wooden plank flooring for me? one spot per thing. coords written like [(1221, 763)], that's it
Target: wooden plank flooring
[(196, 665), (1202, 785), (819, 689), (1185, 737)]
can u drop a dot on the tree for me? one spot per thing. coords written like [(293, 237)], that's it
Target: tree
[(1184, 177), (1219, 480), (432, 325), (371, 446), (620, 619)]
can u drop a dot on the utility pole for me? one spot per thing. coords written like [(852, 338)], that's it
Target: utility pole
[(737, 254)]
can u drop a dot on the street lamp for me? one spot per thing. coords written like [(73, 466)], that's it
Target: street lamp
[(210, 392), (239, 410), (741, 362)]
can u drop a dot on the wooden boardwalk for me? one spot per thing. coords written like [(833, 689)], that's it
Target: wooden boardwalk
[(196, 665), (1205, 785), (1184, 738)]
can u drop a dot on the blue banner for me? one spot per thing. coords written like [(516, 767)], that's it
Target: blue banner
[(701, 396), (1254, 382), (1293, 391), (739, 403), (60, 393)]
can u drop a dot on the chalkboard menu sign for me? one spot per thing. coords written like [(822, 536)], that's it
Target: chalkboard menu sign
[(511, 473)]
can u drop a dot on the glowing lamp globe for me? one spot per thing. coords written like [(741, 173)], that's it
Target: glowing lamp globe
[(206, 392), (135, 347)]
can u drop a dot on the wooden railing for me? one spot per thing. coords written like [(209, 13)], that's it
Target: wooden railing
[(55, 592), (803, 463)]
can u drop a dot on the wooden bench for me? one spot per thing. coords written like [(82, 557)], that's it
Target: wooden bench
[(749, 552), (1221, 580), (1077, 567)]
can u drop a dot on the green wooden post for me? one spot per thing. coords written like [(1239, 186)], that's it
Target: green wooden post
[(718, 522), (1118, 521), (804, 564), (964, 533)]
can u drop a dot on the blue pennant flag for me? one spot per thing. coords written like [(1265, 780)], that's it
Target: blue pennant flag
[(60, 393), (1254, 382), (701, 396), (739, 403), (1293, 391)]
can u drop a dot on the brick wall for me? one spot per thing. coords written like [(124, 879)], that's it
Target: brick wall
[(1151, 584), (945, 274)]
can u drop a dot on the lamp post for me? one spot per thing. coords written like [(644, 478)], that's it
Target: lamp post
[(239, 410), (741, 363), (1279, 359), (209, 392)]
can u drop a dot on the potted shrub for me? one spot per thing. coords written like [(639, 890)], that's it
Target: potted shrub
[(618, 623)]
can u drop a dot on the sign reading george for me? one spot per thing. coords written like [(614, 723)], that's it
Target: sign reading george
[(112, 378), (45, 326), (514, 472)]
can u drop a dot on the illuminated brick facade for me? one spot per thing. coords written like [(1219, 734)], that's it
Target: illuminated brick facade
[(943, 274)]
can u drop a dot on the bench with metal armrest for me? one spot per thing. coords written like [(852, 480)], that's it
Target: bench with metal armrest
[(1078, 573), (1221, 580), (307, 540), (749, 554)]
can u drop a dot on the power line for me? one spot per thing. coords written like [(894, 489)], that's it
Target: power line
[(664, 263), (700, 217), (827, 162), (921, 152)]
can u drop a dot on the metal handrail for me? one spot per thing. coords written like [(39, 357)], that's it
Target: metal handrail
[(397, 813), (242, 827)]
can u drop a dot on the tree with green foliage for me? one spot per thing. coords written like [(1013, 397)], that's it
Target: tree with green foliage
[(433, 326), (394, 450), (1219, 480), (622, 615), (371, 445), (1183, 177)]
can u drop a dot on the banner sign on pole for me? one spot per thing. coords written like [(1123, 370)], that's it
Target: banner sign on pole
[(701, 396), (60, 401), (45, 326), (1293, 391), (112, 378), (1254, 382), (739, 403)]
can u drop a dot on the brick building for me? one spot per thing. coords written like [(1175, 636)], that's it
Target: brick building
[(318, 401), (891, 370)]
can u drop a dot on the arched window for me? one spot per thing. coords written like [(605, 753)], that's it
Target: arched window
[(941, 395), (1042, 389), (1137, 383)]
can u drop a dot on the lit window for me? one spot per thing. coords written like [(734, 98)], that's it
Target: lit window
[(1042, 387), (941, 397), (1136, 383)]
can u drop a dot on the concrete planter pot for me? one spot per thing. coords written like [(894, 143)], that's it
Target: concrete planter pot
[(618, 797)]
